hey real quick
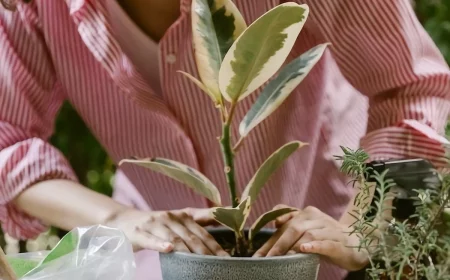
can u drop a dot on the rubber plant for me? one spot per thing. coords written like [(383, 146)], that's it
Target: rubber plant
[(233, 61)]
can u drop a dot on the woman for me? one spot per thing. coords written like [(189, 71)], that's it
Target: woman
[(116, 63)]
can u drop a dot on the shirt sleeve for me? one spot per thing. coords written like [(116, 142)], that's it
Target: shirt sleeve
[(385, 53), (30, 98)]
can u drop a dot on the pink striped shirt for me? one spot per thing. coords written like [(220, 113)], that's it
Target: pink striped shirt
[(383, 85)]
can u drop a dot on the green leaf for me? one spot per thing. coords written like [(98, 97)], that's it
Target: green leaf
[(181, 173), (268, 168), (261, 50), (216, 24), (233, 218), (266, 218), (280, 88)]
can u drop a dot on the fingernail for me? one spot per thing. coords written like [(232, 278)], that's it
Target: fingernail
[(306, 247), (223, 254), (167, 245), (257, 256)]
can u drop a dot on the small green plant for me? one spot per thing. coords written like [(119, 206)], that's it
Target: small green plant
[(417, 248), (233, 61)]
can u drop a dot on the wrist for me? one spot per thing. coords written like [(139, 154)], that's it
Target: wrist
[(118, 214)]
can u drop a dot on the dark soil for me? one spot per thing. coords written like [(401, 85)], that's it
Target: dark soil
[(228, 242)]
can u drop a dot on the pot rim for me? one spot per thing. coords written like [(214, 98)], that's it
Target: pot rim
[(246, 259)]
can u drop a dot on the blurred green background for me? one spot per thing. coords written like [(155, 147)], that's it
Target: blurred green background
[(96, 170)]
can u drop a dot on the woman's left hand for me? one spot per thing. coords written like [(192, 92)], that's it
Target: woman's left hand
[(312, 231)]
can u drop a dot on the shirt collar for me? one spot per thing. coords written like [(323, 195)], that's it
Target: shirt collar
[(91, 19)]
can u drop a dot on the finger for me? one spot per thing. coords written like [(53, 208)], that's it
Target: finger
[(279, 206), (203, 217), (192, 241), (291, 252), (337, 254), (317, 235), (326, 248), (284, 243), (207, 238), (262, 252), (169, 235), (280, 221), (145, 240), (291, 235)]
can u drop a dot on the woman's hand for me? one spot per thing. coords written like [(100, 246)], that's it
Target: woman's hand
[(312, 231), (166, 231)]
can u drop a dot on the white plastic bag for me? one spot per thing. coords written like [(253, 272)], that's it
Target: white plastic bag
[(91, 253)]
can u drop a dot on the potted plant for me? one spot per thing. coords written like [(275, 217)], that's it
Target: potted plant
[(415, 248), (233, 61)]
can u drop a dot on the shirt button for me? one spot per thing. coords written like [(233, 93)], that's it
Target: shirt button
[(171, 58)]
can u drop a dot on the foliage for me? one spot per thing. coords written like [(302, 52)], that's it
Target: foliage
[(240, 66), (415, 248), (217, 25), (435, 17), (90, 162)]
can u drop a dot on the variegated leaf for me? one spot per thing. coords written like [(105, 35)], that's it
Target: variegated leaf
[(268, 168), (266, 218), (233, 218), (216, 24), (181, 173), (280, 88), (261, 50)]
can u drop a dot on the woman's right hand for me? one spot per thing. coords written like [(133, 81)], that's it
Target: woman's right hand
[(166, 231)]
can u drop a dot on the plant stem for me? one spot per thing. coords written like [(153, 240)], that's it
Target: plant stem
[(228, 159), (223, 112), (228, 156), (241, 248)]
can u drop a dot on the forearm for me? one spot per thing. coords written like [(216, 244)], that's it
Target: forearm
[(66, 204)]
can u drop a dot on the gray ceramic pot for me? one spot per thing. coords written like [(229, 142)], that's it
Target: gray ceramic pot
[(182, 266)]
